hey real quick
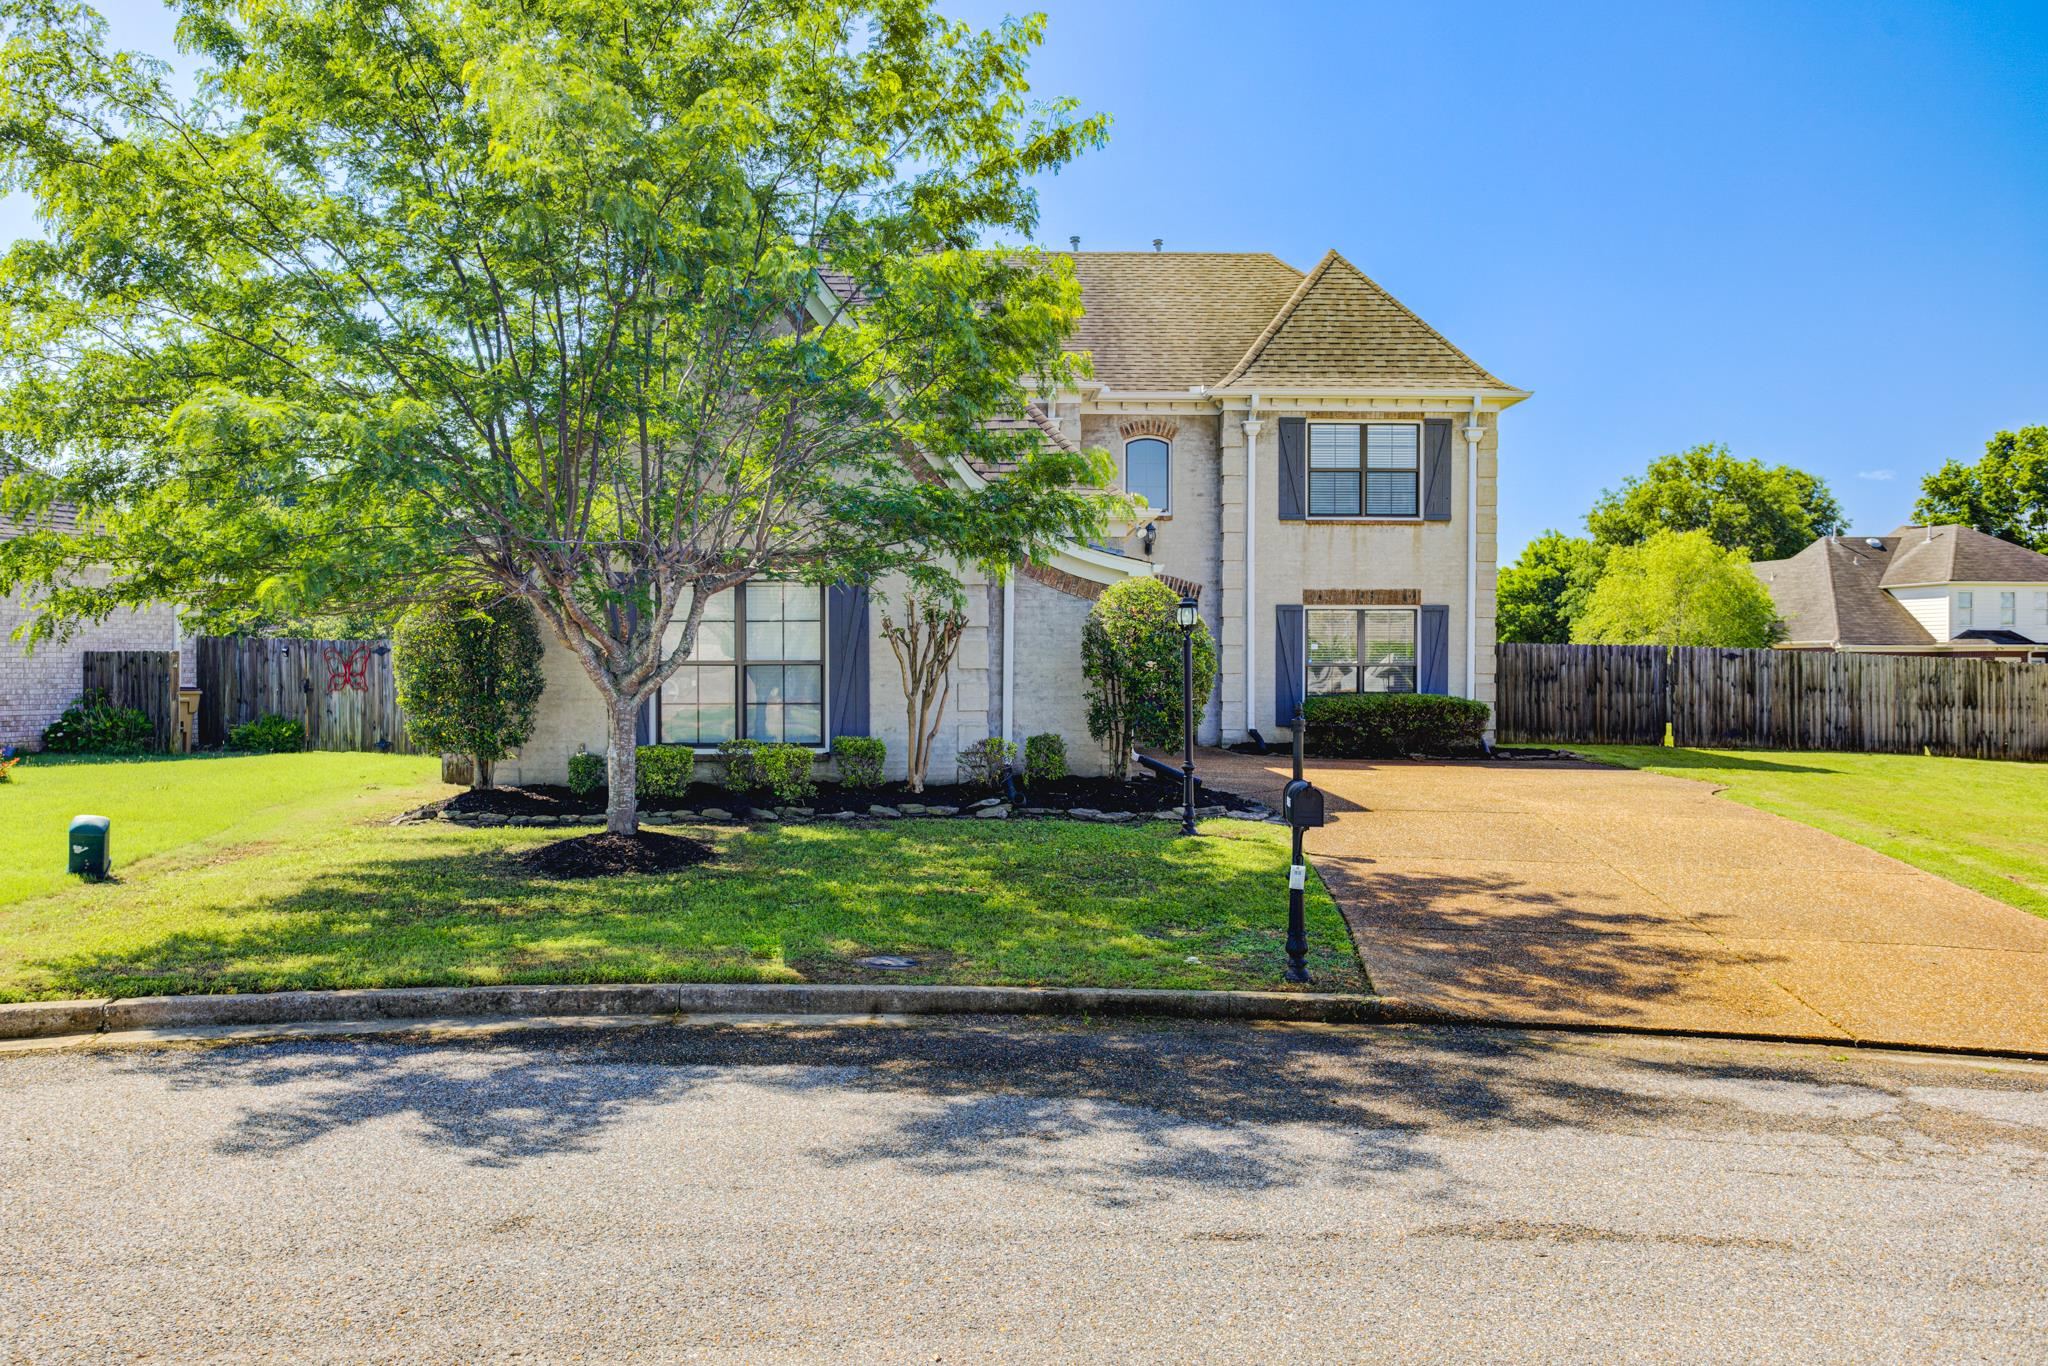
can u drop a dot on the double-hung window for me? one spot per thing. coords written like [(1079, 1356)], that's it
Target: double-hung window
[(1360, 650), (2041, 612), (1966, 610), (2008, 609), (1147, 462), (1371, 469), (758, 672)]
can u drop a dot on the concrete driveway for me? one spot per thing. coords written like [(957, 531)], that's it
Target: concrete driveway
[(1566, 892)]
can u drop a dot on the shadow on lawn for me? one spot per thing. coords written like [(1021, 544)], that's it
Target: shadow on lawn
[(1702, 759), (793, 904), (1124, 1115)]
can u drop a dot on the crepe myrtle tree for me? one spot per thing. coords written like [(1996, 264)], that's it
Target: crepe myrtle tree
[(606, 305)]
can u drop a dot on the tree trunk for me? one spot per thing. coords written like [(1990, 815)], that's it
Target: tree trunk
[(622, 768), (483, 772)]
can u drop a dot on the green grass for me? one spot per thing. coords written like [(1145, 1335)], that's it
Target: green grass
[(258, 874), (1978, 822)]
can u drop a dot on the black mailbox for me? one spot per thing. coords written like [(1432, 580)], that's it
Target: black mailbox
[(1302, 804)]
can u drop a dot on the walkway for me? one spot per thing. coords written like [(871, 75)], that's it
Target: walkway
[(1535, 891)]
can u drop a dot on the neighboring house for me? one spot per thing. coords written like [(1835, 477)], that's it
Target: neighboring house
[(35, 688), (1319, 466), (1920, 590)]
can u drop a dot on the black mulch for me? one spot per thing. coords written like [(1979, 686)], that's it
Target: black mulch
[(1145, 794), (607, 855)]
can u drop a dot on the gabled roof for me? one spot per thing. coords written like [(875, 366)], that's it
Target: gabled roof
[(1960, 554), (1832, 593), (61, 518), (1173, 320), (1341, 328)]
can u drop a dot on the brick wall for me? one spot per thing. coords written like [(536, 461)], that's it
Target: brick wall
[(36, 687)]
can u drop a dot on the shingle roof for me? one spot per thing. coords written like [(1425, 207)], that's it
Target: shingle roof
[(1173, 320), (61, 518), (1339, 327), (1960, 554), (1831, 593)]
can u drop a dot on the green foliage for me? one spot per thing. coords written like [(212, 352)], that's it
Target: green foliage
[(861, 760), (785, 770), (2005, 494), (742, 769), (94, 725), (664, 770), (443, 294), (586, 773), (1045, 758), (272, 734), (468, 670), (983, 763), (1131, 657), (1546, 588), (1678, 588), (1389, 725), (1769, 511)]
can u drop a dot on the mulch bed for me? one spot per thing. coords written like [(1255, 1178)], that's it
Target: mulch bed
[(608, 855), (1141, 796)]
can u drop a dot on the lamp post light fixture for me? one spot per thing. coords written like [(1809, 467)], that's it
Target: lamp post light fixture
[(1187, 615)]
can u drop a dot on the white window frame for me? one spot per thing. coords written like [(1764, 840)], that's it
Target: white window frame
[(1415, 634), (1966, 609), (2008, 607), (738, 664), (2041, 609), (1164, 509), (1364, 513)]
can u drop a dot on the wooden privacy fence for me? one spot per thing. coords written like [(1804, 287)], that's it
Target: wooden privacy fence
[(1773, 699), (146, 680), (343, 690)]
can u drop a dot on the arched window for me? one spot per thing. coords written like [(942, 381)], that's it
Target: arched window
[(1145, 472)]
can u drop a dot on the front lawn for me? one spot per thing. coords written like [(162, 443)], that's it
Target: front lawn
[(275, 873), (1982, 823)]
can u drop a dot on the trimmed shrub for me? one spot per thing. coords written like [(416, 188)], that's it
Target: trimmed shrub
[(271, 734), (982, 763), (742, 771), (586, 773), (1390, 725), (1130, 655), (785, 770), (469, 676), (663, 770), (94, 725), (1045, 758), (860, 759)]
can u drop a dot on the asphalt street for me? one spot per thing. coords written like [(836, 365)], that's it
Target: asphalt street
[(978, 1189)]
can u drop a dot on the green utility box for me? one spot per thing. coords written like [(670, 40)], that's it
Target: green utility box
[(90, 856)]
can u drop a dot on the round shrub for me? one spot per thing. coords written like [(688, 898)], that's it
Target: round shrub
[(469, 676), (742, 773), (1391, 725), (586, 773), (860, 759), (664, 770), (983, 763), (785, 770), (271, 734), (1130, 654), (1045, 758), (94, 725)]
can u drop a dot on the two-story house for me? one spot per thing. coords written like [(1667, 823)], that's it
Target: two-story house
[(1920, 590), (1318, 467)]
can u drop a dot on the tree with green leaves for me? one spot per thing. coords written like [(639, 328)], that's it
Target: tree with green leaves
[(1131, 657), (2004, 494), (1771, 511), (1542, 593), (606, 305), (469, 677), (1678, 588)]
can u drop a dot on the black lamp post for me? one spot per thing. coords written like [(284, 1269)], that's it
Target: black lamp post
[(1187, 616)]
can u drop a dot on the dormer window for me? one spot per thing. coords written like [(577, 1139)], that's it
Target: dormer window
[(1148, 472)]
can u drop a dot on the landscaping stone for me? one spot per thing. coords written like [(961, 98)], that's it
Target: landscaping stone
[(844, 816), (998, 812), (942, 811), (1041, 811), (888, 811), (804, 812), (912, 808), (1117, 817), (1085, 813), (763, 813), (985, 803), (716, 813)]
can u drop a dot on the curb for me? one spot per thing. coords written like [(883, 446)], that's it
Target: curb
[(51, 1019)]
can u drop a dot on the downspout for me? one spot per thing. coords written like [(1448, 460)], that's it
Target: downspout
[(1252, 427), (1473, 434), (1009, 654)]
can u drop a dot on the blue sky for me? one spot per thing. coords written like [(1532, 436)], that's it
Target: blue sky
[(1817, 232)]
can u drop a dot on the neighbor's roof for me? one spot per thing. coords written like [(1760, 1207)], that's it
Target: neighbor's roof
[(1832, 593), (61, 518), (1960, 554)]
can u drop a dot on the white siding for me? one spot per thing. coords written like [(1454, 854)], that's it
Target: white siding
[(1929, 606)]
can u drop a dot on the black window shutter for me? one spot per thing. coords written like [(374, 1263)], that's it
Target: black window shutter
[(846, 646), (1287, 672), (1436, 470), (1433, 651), (1293, 470)]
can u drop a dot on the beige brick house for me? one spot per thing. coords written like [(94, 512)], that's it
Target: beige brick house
[(1318, 466)]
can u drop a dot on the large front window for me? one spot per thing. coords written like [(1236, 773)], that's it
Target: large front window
[(1371, 469), (1360, 650), (758, 672)]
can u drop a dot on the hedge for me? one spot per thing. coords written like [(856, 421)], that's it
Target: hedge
[(1392, 725)]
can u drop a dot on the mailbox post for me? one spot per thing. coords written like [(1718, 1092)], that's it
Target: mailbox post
[(1302, 804)]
